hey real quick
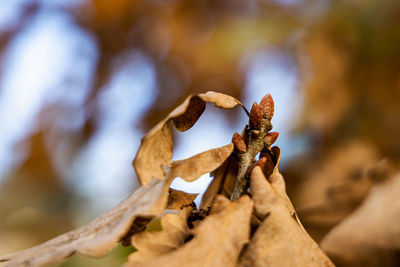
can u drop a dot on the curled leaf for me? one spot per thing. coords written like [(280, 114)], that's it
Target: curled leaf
[(100, 235), (178, 199), (155, 150), (153, 244), (223, 182), (217, 240), (280, 240), (192, 168)]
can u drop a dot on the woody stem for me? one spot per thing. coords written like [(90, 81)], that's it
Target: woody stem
[(246, 159)]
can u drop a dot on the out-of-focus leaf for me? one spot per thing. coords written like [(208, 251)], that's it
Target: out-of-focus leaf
[(154, 244), (217, 240), (280, 240), (370, 236), (100, 235), (330, 193), (178, 199), (155, 152)]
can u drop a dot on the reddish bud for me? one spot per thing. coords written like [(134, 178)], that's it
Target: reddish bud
[(266, 165), (239, 143), (270, 138), (267, 106), (255, 119)]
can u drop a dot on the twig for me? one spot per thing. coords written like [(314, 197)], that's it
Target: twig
[(253, 140)]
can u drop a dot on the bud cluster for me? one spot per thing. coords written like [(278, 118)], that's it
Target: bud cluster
[(255, 138), (260, 114)]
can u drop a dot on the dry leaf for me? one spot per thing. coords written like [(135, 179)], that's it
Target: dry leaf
[(278, 183), (280, 240), (223, 182), (192, 168), (155, 152), (217, 240), (370, 236), (330, 193), (100, 235), (178, 199), (154, 244)]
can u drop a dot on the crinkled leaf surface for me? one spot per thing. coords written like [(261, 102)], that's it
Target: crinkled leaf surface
[(155, 152), (178, 199), (154, 244), (100, 235), (370, 236), (223, 182), (280, 240), (217, 240)]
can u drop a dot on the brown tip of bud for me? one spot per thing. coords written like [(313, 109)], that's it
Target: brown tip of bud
[(255, 119), (239, 143), (270, 138), (267, 106)]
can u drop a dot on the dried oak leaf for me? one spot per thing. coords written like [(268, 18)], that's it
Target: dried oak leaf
[(223, 182), (100, 235), (150, 245), (178, 199), (192, 168), (280, 240), (217, 240), (370, 236), (155, 152)]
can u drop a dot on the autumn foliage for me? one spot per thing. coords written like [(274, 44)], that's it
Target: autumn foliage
[(258, 227), (245, 218)]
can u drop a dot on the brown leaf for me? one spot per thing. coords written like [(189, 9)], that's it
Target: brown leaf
[(223, 182), (370, 236), (100, 235), (153, 244), (330, 193), (192, 168), (280, 240), (178, 199), (155, 151), (217, 240)]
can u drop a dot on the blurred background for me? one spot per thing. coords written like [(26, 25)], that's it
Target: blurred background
[(81, 81)]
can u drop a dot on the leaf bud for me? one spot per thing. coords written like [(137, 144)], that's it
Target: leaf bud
[(255, 120), (267, 106), (270, 138), (239, 143)]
